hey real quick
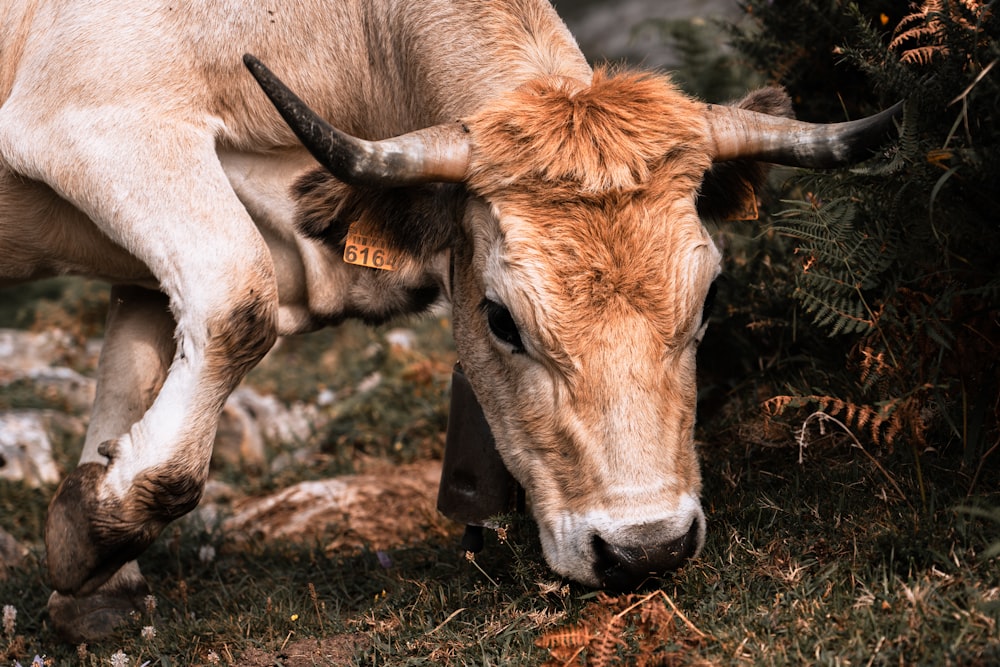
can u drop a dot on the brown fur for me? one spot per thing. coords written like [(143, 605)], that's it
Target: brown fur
[(104, 534), (422, 221), (593, 165), (238, 339), (570, 140), (604, 173), (107, 533)]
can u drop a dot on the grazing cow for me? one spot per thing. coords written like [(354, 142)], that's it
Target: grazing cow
[(557, 207)]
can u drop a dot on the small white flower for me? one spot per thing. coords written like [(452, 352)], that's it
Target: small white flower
[(206, 554), (119, 659), (9, 618), (212, 657), (148, 632)]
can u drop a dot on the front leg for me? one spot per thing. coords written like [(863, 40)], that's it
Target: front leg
[(170, 205), (126, 489), (92, 537), (136, 355), (132, 144)]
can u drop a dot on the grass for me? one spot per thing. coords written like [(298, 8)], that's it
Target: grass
[(834, 560)]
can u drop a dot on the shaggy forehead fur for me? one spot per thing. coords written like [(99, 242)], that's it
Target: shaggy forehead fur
[(610, 136), (595, 187)]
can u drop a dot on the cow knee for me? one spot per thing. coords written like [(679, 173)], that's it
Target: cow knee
[(246, 331)]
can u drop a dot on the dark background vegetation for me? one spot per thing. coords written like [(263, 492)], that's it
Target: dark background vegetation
[(848, 414)]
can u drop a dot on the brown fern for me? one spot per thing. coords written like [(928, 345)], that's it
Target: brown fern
[(925, 28), (884, 422), (604, 648), (570, 637), (623, 630)]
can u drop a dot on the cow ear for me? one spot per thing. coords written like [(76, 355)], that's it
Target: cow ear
[(420, 221), (729, 190)]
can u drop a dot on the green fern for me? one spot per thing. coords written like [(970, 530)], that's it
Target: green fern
[(841, 262), (895, 261)]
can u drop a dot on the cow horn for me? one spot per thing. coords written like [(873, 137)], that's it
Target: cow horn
[(743, 134), (434, 154)]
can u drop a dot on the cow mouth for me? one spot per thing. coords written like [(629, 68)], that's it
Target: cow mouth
[(626, 568)]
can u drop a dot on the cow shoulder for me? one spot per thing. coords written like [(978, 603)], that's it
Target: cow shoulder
[(730, 188)]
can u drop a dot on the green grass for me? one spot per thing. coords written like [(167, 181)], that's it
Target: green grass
[(831, 561)]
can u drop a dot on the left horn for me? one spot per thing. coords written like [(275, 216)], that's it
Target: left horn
[(743, 134), (434, 154)]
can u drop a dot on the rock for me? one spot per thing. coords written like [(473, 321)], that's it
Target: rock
[(250, 421), (378, 510), (37, 361), (29, 367), (23, 351), (25, 447), (238, 441), (62, 388), (403, 339), (12, 554)]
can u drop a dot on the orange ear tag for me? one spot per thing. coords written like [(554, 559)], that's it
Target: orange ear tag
[(364, 250)]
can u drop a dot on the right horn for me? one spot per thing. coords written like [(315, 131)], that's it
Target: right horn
[(743, 134), (435, 154)]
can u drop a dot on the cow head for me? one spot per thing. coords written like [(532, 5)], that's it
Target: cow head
[(581, 276)]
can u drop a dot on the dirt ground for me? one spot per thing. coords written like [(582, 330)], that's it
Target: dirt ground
[(332, 650)]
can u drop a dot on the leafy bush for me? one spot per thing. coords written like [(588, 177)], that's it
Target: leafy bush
[(894, 263)]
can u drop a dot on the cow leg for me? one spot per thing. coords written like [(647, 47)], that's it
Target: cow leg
[(135, 358), (158, 190)]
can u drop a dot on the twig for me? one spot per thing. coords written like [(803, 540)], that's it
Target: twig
[(824, 417), (964, 93), (572, 659), (649, 596), (685, 618), (471, 557), (979, 468), (447, 620)]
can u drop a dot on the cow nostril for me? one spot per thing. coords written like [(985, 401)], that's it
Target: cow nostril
[(626, 567)]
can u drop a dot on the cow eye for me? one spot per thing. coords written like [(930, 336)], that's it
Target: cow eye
[(502, 324), (706, 310)]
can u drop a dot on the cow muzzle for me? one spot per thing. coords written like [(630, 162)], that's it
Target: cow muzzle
[(642, 553), (608, 551)]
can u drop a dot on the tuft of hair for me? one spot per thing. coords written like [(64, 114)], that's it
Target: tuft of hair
[(731, 187), (592, 139)]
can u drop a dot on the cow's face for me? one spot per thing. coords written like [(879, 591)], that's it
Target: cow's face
[(578, 307), (581, 272), (581, 349)]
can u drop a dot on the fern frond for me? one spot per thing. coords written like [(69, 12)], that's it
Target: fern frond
[(922, 55), (570, 637), (603, 649)]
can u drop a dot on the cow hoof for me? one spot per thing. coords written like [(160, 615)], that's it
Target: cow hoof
[(94, 617), (88, 538)]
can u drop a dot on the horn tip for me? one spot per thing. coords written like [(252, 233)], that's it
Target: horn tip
[(252, 63)]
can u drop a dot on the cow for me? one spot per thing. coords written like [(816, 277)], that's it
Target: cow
[(469, 143)]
